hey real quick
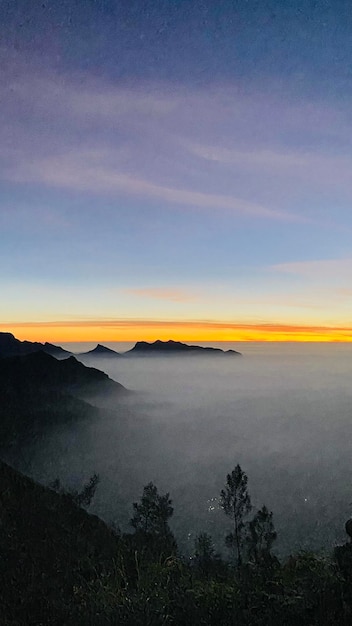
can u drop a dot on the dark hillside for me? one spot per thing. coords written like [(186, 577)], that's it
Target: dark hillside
[(42, 371), (50, 550), (37, 391)]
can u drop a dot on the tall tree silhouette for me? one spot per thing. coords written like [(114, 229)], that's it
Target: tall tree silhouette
[(236, 503)]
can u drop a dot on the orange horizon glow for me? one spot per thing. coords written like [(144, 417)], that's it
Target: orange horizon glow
[(193, 330)]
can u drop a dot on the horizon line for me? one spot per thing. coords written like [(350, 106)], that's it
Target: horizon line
[(124, 330)]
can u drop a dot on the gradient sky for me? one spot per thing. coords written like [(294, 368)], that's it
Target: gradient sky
[(176, 169)]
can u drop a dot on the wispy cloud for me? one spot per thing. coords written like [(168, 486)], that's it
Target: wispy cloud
[(88, 135), (338, 269), (313, 167), (89, 171)]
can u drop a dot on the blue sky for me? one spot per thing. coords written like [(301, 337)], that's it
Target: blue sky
[(180, 161)]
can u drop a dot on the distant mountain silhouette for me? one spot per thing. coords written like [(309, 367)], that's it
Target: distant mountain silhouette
[(100, 351), (175, 348), (10, 346)]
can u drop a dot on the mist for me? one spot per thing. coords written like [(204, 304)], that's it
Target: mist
[(283, 412)]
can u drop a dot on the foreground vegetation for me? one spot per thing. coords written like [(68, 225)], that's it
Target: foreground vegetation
[(60, 565)]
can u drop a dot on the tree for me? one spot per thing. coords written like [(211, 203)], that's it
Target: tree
[(153, 538), (236, 502), (204, 553), (152, 513), (85, 497), (80, 498), (261, 535)]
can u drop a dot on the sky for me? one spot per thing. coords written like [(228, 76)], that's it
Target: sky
[(176, 169)]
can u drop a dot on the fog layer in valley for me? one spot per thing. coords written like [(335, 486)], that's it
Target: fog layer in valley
[(283, 412)]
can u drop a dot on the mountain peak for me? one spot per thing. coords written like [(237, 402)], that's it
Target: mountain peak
[(101, 350)]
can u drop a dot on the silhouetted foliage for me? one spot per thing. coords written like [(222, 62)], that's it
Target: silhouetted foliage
[(150, 522), (261, 535), (80, 498), (60, 565), (236, 502), (205, 559), (152, 513)]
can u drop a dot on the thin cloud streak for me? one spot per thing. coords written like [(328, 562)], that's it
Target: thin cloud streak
[(324, 169), (322, 269), (196, 324), (76, 173)]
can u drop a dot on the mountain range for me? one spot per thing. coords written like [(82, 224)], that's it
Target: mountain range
[(10, 346), (175, 348)]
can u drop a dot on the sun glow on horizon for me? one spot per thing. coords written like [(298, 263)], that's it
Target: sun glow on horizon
[(188, 331)]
